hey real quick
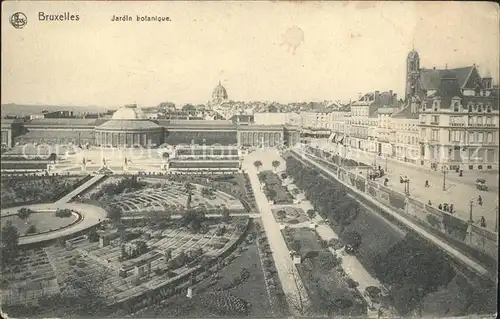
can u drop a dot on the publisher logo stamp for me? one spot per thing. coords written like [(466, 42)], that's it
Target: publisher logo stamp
[(18, 20)]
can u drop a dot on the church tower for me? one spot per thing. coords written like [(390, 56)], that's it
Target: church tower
[(412, 74)]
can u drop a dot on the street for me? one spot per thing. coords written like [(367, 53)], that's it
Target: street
[(457, 191)]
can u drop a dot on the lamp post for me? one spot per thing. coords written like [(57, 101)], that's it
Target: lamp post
[(406, 181), (471, 203), (496, 219), (445, 170)]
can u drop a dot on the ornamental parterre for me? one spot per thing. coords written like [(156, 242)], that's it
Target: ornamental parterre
[(153, 18)]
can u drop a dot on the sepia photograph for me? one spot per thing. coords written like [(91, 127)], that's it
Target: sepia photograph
[(249, 159)]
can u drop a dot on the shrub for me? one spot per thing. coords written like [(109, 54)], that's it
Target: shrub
[(323, 243), (311, 213), (352, 283), (335, 243), (63, 213), (24, 213), (93, 236)]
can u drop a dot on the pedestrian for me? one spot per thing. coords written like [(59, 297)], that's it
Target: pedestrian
[(440, 207), (451, 208), (426, 183), (480, 200), (483, 222), (429, 203)]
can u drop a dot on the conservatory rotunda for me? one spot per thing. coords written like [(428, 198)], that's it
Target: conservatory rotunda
[(128, 127)]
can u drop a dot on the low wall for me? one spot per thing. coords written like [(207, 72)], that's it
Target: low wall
[(476, 241)]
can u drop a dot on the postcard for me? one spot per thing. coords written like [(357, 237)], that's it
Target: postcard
[(259, 159)]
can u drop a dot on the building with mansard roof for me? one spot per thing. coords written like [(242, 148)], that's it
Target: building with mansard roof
[(458, 113)]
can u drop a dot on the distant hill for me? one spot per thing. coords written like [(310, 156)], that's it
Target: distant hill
[(24, 110)]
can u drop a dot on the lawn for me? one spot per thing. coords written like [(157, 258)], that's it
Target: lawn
[(274, 190), (43, 221)]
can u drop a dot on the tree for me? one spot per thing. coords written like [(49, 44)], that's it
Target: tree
[(188, 188), (93, 236), (24, 213), (281, 214), (257, 227), (352, 238), (311, 213), (225, 214), (10, 241), (346, 213), (299, 298), (276, 164), (115, 214), (257, 164), (271, 193), (296, 245)]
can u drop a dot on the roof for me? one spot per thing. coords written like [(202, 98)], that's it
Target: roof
[(431, 78), (128, 125), (406, 114), (129, 112), (61, 122)]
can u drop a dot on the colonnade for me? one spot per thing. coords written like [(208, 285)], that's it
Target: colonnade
[(127, 139)]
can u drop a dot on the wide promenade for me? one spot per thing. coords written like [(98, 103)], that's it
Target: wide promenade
[(288, 274), (458, 255), (459, 191)]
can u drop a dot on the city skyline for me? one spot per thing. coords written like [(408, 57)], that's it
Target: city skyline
[(348, 48)]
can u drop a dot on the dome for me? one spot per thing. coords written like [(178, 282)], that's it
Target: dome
[(125, 125), (129, 112), (219, 93)]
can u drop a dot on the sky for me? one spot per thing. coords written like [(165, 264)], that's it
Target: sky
[(260, 51)]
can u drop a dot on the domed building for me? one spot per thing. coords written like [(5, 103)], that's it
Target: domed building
[(219, 94), (128, 127)]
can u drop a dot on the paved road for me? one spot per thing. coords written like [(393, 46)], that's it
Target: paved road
[(444, 246), (458, 191), (92, 215), (284, 265)]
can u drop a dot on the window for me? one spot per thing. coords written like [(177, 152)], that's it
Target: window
[(435, 119), (435, 135), (490, 138), (489, 120), (479, 120), (455, 106), (480, 137), (455, 136), (471, 137)]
